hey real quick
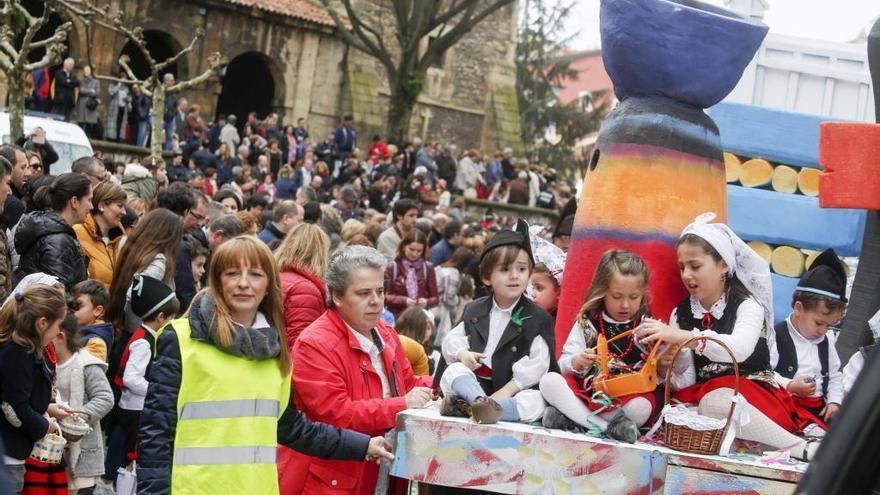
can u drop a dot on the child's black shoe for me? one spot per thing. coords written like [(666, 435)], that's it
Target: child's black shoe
[(622, 428), (555, 420)]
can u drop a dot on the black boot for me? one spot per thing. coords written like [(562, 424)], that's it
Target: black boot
[(622, 428), (555, 420)]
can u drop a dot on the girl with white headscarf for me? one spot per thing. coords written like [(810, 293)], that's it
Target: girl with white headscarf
[(730, 299)]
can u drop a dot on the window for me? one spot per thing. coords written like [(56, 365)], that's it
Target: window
[(440, 61)]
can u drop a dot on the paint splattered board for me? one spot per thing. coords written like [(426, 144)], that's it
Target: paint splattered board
[(522, 459)]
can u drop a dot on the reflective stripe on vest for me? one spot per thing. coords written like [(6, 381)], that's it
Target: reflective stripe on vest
[(224, 455), (216, 409)]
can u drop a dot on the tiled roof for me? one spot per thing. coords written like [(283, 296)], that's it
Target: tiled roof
[(298, 9)]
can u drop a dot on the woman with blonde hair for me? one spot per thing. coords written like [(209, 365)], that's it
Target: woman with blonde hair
[(351, 229), (219, 400), (302, 259)]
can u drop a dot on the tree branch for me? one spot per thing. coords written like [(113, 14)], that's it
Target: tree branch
[(200, 33), (374, 47), (465, 25), (216, 61)]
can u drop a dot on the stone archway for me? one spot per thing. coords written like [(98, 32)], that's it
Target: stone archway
[(248, 85), (161, 46)]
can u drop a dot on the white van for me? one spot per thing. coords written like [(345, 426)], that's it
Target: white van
[(69, 140)]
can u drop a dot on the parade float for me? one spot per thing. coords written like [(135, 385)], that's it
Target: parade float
[(660, 161)]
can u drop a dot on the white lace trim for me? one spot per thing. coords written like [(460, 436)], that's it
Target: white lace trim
[(717, 309)]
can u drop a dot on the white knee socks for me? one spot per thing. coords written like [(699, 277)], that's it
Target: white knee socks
[(760, 428), (556, 392)]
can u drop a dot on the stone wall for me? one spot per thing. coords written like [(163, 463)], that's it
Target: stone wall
[(318, 77)]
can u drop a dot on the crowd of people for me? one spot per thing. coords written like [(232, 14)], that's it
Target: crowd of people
[(302, 294)]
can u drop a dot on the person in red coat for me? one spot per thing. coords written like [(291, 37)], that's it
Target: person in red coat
[(410, 279), (350, 371), (302, 257)]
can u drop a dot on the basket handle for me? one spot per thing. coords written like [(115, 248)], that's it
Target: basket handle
[(680, 348)]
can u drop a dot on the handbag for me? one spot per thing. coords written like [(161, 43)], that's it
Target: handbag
[(49, 449), (126, 481), (92, 102)]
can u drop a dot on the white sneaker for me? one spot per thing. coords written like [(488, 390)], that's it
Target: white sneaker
[(102, 488), (814, 431)]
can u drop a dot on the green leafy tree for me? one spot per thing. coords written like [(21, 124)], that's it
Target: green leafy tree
[(550, 129)]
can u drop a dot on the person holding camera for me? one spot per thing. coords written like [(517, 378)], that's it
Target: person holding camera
[(36, 142)]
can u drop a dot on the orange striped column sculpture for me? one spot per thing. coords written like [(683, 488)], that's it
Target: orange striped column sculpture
[(658, 160)]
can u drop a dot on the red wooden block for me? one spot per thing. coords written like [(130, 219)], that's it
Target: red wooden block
[(850, 154)]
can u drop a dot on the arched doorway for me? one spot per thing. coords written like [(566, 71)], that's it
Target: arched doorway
[(161, 47), (248, 86)]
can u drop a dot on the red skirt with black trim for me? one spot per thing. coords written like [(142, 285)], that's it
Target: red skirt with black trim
[(774, 402), (584, 393), (42, 478)]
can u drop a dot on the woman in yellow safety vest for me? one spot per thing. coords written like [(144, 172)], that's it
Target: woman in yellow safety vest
[(219, 399)]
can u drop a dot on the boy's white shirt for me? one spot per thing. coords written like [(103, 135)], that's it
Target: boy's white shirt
[(808, 363), (134, 378), (527, 371)]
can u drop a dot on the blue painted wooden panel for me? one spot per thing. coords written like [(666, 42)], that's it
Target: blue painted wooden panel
[(756, 132), (783, 288), (795, 220)]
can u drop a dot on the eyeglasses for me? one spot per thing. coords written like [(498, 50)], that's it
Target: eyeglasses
[(200, 218), (101, 178)]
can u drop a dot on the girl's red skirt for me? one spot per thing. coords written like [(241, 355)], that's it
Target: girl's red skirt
[(774, 401)]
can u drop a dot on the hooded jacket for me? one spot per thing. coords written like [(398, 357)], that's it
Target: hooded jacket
[(48, 244), (102, 255), (138, 181)]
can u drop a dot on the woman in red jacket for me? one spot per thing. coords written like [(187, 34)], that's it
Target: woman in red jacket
[(302, 257), (410, 279), (351, 371)]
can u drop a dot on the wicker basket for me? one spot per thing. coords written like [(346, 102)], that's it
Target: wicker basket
[(73, 430), (685, 439)]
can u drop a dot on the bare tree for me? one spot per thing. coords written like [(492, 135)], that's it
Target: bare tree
[(405, 64), (19, 24), (152, 85)]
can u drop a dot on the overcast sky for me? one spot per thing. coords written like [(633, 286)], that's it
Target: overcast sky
[(832, 20)]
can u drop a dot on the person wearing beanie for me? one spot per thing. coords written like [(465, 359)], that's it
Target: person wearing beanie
[(503, 346), (155, 304), (805, 358)]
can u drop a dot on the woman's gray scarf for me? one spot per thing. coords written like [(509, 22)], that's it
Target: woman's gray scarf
[(253, 343)]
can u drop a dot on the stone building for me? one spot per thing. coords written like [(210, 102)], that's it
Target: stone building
[(285, 56)]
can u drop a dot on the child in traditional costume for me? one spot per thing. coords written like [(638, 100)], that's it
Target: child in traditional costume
[(545, 282), (805, 358), (503, 345), (730, 300), (616, 302)]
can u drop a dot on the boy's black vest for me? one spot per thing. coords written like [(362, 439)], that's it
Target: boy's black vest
[(788, 360), (758, 361), (515, 343)]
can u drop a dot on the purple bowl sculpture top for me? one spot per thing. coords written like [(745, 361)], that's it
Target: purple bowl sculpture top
[(683, 49)]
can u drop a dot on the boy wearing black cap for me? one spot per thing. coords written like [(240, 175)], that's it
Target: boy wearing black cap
[(503, 345), (155, 304), (805, 359)]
